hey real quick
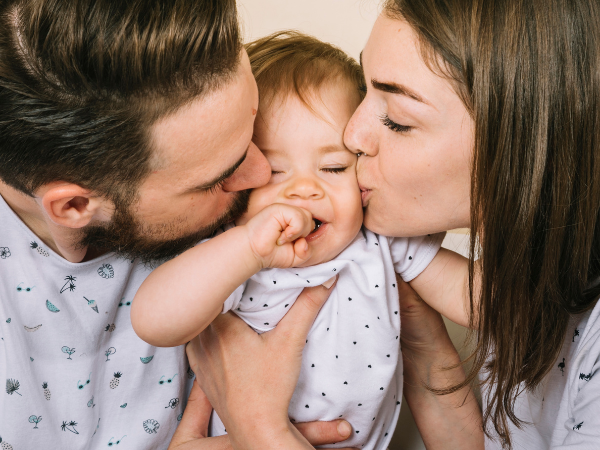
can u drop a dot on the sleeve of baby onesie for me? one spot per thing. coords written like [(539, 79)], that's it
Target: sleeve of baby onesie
[(412, 255), (234, 299), (583, 425)]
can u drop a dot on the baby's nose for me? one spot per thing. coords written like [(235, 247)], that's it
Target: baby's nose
[(305, 188)]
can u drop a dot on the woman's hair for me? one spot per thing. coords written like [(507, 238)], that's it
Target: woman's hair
[(291, 63), (528, 71)]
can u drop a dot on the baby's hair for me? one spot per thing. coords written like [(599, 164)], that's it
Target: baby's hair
[(290, 62)]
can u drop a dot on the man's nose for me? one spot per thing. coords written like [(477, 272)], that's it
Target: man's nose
[(254, 172), (304, 188)]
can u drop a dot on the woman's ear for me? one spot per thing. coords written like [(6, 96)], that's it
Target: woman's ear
[(70, 205)]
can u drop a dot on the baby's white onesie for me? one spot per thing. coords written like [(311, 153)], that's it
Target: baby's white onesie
[(351, 365)]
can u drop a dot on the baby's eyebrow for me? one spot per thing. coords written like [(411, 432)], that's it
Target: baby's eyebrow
[(332, 149)]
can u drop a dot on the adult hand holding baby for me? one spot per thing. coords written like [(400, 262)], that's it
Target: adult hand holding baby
[(249, 408)]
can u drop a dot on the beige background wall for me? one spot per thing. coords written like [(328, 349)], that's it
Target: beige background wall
[(347, 24)]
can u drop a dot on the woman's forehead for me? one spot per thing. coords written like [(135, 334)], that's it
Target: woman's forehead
[(392, 59)]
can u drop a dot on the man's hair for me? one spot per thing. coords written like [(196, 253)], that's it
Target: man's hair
[(528, 73), (82, 81), (291, 63)]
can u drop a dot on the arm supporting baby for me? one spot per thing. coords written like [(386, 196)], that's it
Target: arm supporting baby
[(183, 296), (444, 421), (430, 359), (444, 285), (250, 378)]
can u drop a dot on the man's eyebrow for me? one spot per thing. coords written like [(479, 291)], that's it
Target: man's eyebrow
[(223, 176), (400, 89)]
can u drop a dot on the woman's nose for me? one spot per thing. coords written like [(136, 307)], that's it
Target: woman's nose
[(254, 172), (304, 188), (360, 135)]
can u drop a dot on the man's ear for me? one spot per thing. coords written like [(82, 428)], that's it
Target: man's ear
[(72, 206)]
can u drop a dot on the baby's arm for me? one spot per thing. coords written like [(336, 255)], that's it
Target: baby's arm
[(444, 285), (181, 297)]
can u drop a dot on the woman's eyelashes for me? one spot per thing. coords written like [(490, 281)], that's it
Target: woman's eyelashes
[(395, 127)]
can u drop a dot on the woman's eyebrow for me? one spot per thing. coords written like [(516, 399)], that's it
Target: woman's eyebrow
[(394, 88)]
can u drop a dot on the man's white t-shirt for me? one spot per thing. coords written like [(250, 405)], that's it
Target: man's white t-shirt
[(351, 364), (564, 411), (74, 373)]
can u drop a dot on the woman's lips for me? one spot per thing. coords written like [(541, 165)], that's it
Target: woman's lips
[(365, 195)]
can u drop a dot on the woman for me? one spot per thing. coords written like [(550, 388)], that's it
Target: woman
[(480, 114)]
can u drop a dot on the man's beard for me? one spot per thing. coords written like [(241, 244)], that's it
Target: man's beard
[(130, 238)]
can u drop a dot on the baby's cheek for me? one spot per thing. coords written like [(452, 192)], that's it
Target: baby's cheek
[(259, 200)]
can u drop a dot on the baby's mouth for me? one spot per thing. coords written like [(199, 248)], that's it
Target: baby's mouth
[(318, 230), (318, 224)]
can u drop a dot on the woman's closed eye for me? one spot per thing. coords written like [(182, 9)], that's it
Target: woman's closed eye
[(395, 127)]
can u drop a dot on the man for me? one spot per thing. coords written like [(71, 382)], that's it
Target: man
[(125, 138)]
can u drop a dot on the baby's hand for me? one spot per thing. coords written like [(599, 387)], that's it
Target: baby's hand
[(276, 235)]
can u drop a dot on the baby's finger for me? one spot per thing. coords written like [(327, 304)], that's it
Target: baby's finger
[(301, 251), (299, 223)]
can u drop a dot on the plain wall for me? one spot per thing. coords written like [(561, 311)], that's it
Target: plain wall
[(346, 24)]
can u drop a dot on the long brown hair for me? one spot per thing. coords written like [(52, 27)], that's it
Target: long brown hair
[(529, 73)]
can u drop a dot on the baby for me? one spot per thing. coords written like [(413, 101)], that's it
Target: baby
[(302, 229)]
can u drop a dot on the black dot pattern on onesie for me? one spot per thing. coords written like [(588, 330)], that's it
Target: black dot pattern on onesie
[(376, 305)]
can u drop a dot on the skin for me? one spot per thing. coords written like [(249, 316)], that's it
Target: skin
[(313, 176), (193, 147), (414, 182), (311, 167)]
